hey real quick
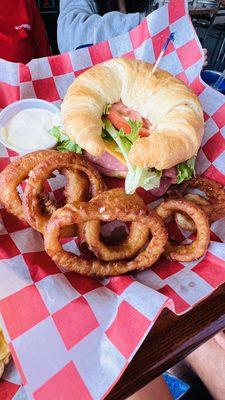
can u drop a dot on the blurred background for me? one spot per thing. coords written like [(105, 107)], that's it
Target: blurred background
[(208, 17)]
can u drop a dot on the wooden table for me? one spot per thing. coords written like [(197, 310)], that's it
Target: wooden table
[(170, 340), (194, 12)]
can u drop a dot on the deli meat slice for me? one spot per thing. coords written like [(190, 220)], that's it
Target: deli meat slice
[(169, 177), (170, 173), (107, 161)]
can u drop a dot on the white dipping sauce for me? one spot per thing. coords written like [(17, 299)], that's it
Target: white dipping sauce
[(28, 130)]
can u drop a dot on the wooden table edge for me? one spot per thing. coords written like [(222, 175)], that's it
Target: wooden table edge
[(202, 11), (165, 346)]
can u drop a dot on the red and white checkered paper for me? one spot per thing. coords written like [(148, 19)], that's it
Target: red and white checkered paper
[(72, 337)]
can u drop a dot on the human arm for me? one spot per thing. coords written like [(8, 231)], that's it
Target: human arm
[(208, 362), (155, 390), (79, 24)]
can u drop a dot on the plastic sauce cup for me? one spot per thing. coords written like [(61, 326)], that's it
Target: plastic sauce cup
[(14, 108)]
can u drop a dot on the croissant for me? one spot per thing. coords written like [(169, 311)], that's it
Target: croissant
[(172, 108)]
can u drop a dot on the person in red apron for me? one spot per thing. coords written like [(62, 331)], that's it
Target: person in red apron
[(22, 31)]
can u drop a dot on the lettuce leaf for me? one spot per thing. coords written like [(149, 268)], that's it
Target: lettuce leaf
[(120, 138), (57, 133), (106, 136), (136, 177), (135, 127), (134, 135), (145, 178), (106, 109), (186, 170), (125, 139), (63, 142)]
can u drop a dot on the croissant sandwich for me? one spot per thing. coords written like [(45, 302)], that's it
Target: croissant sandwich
[(133, 123)]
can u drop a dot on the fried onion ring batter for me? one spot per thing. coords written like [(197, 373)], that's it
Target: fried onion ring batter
[(186, 252), (186, 223), (12, 176), (214, 192), (90, 234), (71, 165), (107, 206)]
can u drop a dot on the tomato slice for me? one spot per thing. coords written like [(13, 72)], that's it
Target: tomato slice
[(118, 121), (144, 132), (117, 114)]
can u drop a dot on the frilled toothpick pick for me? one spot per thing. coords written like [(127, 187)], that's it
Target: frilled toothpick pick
[(169, 39)]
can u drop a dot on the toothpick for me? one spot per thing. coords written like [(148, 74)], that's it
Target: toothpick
[(169, 39)]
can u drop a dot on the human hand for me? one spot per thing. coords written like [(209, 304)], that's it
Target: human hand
[(122, 6), (205, 57), (220, 339)]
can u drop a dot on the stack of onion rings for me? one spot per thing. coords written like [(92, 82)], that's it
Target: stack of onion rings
[(195, 250), (82, 182), (88, 203), (107, 206)]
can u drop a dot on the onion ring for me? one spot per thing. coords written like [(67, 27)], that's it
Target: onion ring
[(107, 206), (214, 192), (12, 176), (74, 164), (186, 252), (185, 222), (78, 185), (89, 233), (76, 189)]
